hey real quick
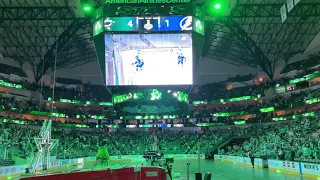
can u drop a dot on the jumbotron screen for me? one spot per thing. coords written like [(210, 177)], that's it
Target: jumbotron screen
[(148, 59)]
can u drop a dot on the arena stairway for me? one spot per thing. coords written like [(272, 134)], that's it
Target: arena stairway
[(235, 140), (194, 144), (228, 142), (222, 144), (19, 160)]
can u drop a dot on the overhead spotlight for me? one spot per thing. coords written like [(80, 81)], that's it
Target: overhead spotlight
[(87, 8), (217, 6)]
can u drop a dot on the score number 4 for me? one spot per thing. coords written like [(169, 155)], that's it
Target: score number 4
[(130, 24)]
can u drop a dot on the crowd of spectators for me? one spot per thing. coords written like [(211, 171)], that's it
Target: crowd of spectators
[(177, 142), (85, 92), (208, 92), (20, 105), (216, 91), (294, 141), (311, 61), (18, 141), (131, 143), (279, 102), (288, 140)]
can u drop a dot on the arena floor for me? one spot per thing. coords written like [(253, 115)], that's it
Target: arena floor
[(219, 170)]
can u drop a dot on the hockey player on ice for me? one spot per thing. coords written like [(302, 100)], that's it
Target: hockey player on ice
[(181, 59), (138, 63)]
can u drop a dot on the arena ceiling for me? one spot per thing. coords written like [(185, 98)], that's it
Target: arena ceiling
[(35, 30), (253, 34), (250, 34)]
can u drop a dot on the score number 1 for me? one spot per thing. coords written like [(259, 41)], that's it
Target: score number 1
[(167, 22)]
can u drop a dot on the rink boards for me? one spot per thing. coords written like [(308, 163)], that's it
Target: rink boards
[(14, 171), (294, 168)]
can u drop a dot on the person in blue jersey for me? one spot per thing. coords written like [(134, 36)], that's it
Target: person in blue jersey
[(139, 63), (181, 59)]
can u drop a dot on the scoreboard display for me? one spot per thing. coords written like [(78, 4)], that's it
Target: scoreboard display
[(150, 23), (148, 43)]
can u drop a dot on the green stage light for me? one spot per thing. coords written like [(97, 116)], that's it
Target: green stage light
[(87, 8), (217, 6)]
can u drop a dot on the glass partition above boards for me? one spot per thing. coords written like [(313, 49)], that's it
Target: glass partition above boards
[(150, 23)]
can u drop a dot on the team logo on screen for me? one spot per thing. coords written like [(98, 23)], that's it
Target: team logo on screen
[(186, 23), (108, 23), (98, 25), (148, 25)]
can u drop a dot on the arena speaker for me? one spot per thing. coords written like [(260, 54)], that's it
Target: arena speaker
[(198, 176), (207, 176)]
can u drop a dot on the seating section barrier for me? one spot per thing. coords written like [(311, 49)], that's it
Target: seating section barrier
[(289, 167), (14, 171), (145, 173)]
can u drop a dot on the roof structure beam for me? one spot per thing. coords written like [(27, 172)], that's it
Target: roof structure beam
[(63, 39), (226, 59), (273, 10), (221, 45), (18, 43), (209, 34), (263, 24), (256, 52), (36, 13), (233, 51), (77, 60), (77, 54), (221, 54)]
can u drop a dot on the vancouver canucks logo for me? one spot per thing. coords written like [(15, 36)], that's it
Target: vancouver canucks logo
[(186, 23)]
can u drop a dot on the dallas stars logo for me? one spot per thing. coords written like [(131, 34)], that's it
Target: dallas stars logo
[(98, 26), (155, 94)]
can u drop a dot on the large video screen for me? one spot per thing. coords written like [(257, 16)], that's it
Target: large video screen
[(148, 59)]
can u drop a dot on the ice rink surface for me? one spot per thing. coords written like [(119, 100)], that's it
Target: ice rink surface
[(219, 170), (159, 68), (158, 52)]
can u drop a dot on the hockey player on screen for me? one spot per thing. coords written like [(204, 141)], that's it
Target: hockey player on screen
[(138, 63), (181, 59)]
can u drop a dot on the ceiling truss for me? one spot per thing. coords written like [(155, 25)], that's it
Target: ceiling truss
[(263, 38), (35, 32), (252, 34)]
